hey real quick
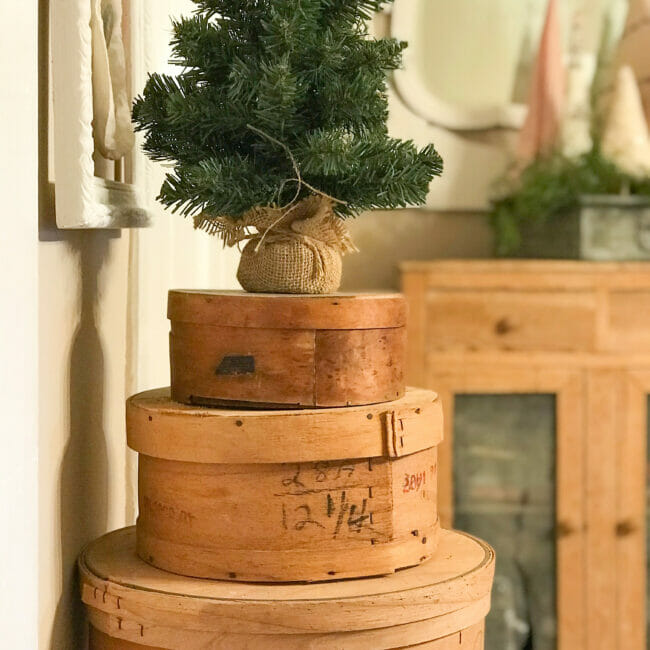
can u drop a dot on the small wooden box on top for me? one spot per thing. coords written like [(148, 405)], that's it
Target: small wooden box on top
[(286, 351)]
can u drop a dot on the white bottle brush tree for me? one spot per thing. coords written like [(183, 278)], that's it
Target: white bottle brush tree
[(625, 140), (276, 126)]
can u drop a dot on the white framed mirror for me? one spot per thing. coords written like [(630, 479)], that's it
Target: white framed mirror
[(465, 81), (465, 59)]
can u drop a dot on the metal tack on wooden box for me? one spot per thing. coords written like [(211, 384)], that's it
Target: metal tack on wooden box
[(289, 351), (286, 495)]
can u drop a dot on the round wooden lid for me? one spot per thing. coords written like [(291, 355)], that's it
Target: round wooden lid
[(284, 311), (159, 427), (455, 582)]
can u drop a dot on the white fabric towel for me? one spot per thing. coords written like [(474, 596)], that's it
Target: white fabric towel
[(112, 128)]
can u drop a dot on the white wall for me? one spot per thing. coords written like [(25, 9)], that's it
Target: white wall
[(387, 237), (82, 365), (18, 324), (102, 334)]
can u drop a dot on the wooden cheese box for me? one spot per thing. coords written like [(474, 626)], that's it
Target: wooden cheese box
[(277, 496), (290, 351), (439, 605)]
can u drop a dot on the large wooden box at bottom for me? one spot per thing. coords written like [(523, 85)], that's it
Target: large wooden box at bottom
[(440, 605), (469, 639)]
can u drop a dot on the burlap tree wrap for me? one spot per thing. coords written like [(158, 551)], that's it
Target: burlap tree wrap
[(294, 250)]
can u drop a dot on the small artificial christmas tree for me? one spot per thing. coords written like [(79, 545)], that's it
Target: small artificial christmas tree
[(277, 123)]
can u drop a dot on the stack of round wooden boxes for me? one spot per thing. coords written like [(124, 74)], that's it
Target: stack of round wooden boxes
[(287, 458)]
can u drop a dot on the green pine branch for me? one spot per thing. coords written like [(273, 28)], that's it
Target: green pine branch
[(265, 86)]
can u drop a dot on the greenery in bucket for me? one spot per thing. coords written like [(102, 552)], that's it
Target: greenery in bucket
[(552, 187)]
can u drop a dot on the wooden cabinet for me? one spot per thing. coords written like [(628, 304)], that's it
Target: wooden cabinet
[(579, 331)]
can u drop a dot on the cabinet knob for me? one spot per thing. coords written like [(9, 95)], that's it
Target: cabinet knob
[(503, 326), (626, 528), (564, 529)]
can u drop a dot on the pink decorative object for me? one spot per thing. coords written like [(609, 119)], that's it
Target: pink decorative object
[(546, 101)]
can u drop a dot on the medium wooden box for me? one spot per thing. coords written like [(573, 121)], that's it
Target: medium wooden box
[(299, 495), (285, 350), (439, 605)]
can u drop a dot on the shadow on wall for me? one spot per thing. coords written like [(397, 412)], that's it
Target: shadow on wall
[(83, 472), (83, 469), (386, 238)]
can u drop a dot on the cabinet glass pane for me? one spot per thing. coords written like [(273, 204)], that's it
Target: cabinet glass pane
[(504, 492)]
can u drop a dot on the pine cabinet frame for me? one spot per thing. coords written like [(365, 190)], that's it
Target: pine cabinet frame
[(495, 342)]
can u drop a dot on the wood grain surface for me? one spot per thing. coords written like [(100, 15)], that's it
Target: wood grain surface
[(157, 426), (471, 638), (442, 600), (343, 311), (288, 522), (292, 351), (578, 330)]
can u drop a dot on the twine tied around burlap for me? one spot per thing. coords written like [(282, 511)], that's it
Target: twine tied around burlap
[(297, 248), (294, 250)]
